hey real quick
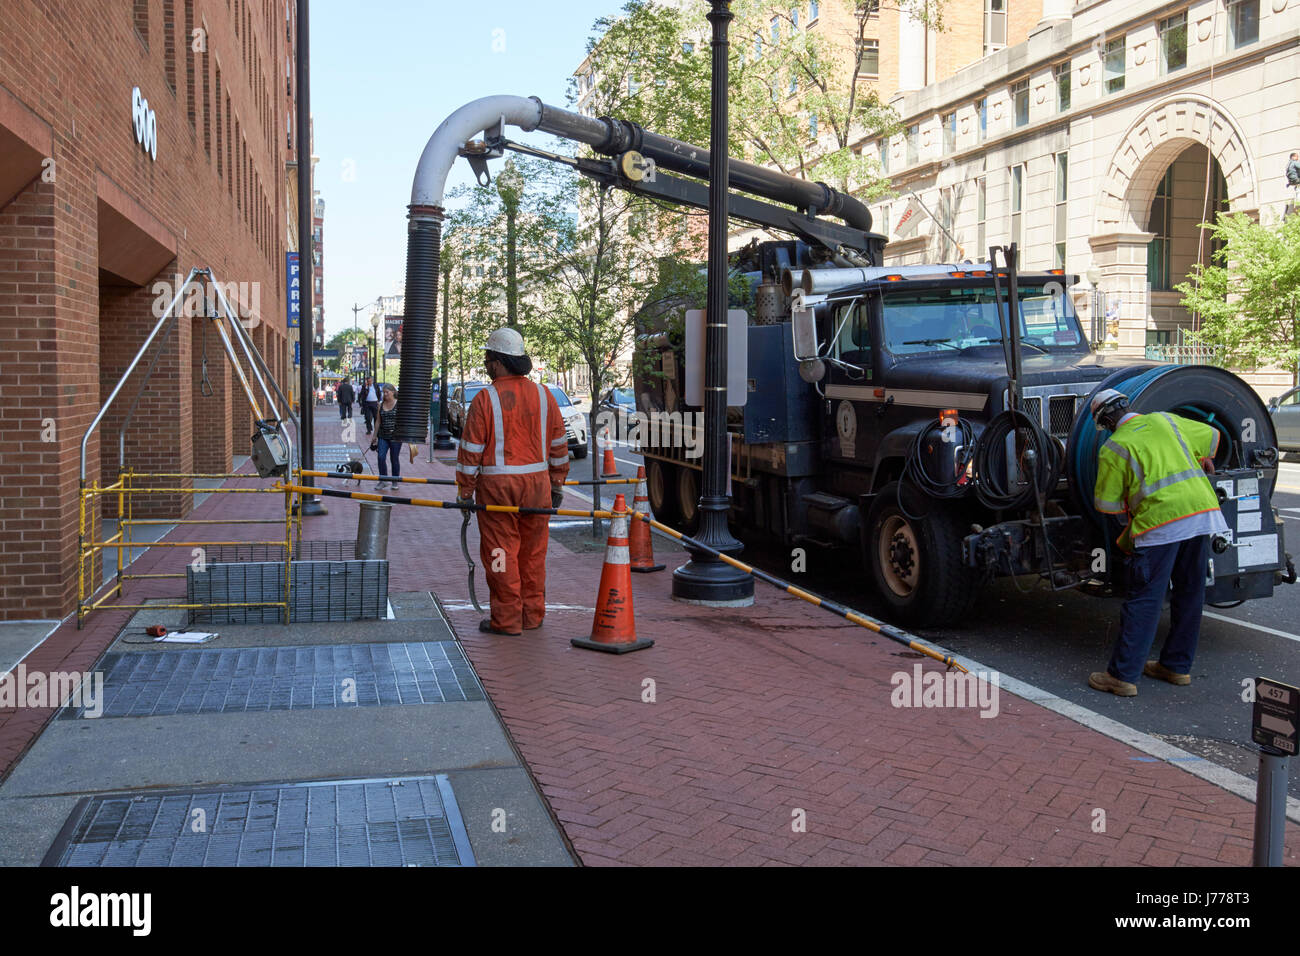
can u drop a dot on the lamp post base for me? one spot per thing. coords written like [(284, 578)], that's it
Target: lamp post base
[(311, 508), (442, 440), (706, 580)]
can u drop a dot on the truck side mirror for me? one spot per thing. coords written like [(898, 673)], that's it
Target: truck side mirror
[(806, 346)]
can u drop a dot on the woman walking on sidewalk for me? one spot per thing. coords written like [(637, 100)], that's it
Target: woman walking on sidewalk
[(388, 448)]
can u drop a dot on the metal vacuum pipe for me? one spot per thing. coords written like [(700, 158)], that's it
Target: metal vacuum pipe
[(607, 136)]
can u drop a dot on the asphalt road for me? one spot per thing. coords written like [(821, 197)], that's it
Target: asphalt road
[(1054, 640)]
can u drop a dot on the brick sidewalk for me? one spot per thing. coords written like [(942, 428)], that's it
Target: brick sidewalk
[(759, 713)]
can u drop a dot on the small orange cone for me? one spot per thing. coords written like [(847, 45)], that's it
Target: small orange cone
[(643, 554), (614, 628), (610, 467)]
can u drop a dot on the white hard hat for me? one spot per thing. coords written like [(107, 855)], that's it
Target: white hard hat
[(506, 341), (1105, 397)]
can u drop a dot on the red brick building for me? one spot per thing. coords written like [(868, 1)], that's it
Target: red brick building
[(138, 139)]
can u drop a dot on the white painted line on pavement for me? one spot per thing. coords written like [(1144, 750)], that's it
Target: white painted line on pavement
[(1207, 770), (1257, 627)]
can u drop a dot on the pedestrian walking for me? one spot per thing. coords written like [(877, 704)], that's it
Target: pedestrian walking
[(1293, 176), (370, 399), (1153, 469), (346, 396), (385, 443), (514, 450)]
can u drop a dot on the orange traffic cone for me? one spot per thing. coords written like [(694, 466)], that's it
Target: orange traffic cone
[(643, 554), (614, 628), (610, 467)]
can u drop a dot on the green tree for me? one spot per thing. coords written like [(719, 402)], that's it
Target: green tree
[(801, 103), (1248, 298)]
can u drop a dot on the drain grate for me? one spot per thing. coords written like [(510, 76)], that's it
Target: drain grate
[(413, 821), (228, 680)]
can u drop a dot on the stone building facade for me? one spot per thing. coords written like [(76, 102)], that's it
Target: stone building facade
[(1100, 144)]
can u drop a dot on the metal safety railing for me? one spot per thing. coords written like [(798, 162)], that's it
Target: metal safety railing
[(124, 541)]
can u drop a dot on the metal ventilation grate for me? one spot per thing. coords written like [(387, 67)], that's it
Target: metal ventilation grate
[(413, 821), (320, 590), (1060, 411), (1033, 407), (212, 680)]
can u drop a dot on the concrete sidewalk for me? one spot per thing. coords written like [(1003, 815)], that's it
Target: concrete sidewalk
[(767, 734)]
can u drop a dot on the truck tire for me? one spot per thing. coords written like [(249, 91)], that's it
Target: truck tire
[(916, 566), (580, 451), (661, 489)]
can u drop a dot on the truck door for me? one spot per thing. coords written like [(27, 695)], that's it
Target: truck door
[(850, 384)]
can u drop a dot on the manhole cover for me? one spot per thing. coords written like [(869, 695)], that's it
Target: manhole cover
[(412, 821), (213, 680)]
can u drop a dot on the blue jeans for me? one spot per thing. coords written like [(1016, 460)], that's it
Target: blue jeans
[(390, 450), (1148, 572)]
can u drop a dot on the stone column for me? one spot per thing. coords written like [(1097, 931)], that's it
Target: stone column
[(1122, 258)]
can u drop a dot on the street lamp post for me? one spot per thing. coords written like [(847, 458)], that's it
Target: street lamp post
[(705, 579), (442, 437), (374, 347)]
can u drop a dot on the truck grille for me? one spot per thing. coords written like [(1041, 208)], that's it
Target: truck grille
[(1062, 406)]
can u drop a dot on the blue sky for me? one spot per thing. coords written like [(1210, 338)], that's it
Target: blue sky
[(384, 74)]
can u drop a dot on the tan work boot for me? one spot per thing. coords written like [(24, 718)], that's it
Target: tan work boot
[(1160, 672), (1101, 680)]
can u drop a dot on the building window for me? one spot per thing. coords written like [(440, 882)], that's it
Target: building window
[(688, 48), (981, 230), (884, 156), (1243, 22), (1116, 53), (884, 220), (869, 57), (140, 18), (1173, 43), (995, 25), (1062, 71), (812, 125), (1017, 203), (1062, 200), (814, 10), (776, 29), (758, 46), (794, 85), (794, 19), (913, 144), (1020, 101), (950, 133), (982, 126), (1160, 224)]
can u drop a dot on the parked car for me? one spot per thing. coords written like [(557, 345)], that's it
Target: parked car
[(617, 405), (574, 421), (1285, 410), (462, 393)]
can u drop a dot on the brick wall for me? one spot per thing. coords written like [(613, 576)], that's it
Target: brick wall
[(51, 323)]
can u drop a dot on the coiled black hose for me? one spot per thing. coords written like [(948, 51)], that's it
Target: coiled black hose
[(991, 485), (944, 487)]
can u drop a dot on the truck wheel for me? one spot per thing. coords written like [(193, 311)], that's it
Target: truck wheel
[(661, 485), (688, 498), (916, 566), (580, 451)]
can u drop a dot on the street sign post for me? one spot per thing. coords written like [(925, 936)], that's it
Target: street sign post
[(1273, 727)]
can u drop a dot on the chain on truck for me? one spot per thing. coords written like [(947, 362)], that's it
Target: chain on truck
[(932, 417)]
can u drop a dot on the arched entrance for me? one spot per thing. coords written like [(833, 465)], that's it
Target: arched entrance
[(1160, 166)]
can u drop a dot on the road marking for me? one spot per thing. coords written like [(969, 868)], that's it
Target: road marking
[(1257, 627)]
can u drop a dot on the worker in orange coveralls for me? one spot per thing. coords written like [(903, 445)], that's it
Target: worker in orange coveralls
[(514, 450)]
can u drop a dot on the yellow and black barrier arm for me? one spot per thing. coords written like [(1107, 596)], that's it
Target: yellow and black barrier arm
[(855, 617), (447, 481)]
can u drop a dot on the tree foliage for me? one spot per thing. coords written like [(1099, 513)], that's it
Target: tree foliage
[(1248, 298)]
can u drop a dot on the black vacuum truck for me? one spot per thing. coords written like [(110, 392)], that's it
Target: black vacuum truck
[(932, 418)]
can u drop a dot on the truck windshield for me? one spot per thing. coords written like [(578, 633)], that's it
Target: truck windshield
[(948, 319)]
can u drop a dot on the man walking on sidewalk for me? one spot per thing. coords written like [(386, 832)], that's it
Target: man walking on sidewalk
[(1153, 469), (370, 399), (514, 451), (346, 396)]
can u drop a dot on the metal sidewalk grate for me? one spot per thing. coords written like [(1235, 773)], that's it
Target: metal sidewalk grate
[(313, 550), (320, 590), (327, 457), (230, 680), (413, 821)]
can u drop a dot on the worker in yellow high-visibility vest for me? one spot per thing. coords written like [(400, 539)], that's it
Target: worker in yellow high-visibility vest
[(1153, 469)]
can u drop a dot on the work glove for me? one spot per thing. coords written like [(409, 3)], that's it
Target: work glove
[(557, 496)]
